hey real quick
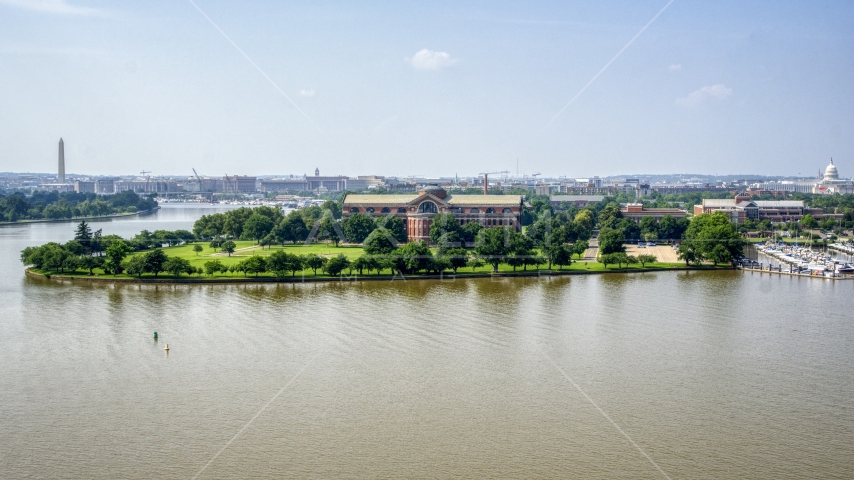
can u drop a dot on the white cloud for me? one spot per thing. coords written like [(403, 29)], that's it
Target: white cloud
[(60, 7), (429, 60), (715, 92), (675, 67), (309, 92)]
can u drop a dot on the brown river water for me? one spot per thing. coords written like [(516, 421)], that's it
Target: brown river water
[(655, 375)]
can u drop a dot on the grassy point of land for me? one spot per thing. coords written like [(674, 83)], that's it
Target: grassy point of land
[(245, 249)]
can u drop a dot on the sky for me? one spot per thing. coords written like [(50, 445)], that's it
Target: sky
[(427, 88)]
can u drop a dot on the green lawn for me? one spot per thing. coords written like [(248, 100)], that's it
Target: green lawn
[(246, 249)]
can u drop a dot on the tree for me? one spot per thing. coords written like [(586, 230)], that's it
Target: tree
[(448, 241), (458, 258), (228, 246), (332, 207), (116, 252), (443, 223), (412, 257), (154, 261), (394, 225), (649, 228), (257, 226), (291, 229), (719, 254), (268, 240), (607, 259), (177, 265), (689, 252), (380, 242), (89, 262), (491, 246), (314, 262), (74, 247), (328, 230), (335, 265), (214, 266), (357, 227), (97, 241), (808, 222), (198, 249), (209, 226), (365, 262), (469, 232), (583, 222), (216, 243), (279, 263), (234, 220), (474, 263), (707, 232), (70, 263), (521, 248), (611, 241), (610, 217), (254, 264), (580, 247), (646, 258), (558, 254), (83, 234), (439, 263), (296, 263), (135, 265)]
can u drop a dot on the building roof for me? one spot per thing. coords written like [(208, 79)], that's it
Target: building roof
[(779, 203), (718, 202), (357, 199), (578, 198)]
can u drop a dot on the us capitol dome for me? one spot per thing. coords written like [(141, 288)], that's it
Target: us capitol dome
[(830, 172)]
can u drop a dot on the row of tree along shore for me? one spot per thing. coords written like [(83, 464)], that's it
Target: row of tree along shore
[(18, 207), (265, 241)]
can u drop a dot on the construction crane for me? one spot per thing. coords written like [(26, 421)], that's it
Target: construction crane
[(200, 183), (148, 179), (228, 185), (486, 179)]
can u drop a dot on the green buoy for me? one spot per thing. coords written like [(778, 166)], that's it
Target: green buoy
[(155, 335)]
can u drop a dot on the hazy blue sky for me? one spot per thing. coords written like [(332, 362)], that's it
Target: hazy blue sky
[(427, 88)]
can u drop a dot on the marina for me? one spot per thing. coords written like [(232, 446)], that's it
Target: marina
[(800, 260)]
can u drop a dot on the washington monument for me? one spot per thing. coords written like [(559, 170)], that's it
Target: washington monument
[(61, 176)]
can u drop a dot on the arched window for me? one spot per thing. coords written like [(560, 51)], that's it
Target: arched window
[(370, 209), (490, 210), (507, 210), (354, 210), (474, 210), (457, 210), (385, 210), (428, 207), (401, 210)]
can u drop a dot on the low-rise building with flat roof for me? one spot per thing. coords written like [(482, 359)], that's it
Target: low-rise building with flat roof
[(580, 201), (742, 208), (637, 212)]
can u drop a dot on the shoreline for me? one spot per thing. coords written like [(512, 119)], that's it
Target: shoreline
[(77, 219), (350, 278)]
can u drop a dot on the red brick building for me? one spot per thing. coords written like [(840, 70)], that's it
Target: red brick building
[(637, 212), (418, 210)]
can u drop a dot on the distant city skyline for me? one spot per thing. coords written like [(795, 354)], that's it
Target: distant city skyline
[(433, 90)]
